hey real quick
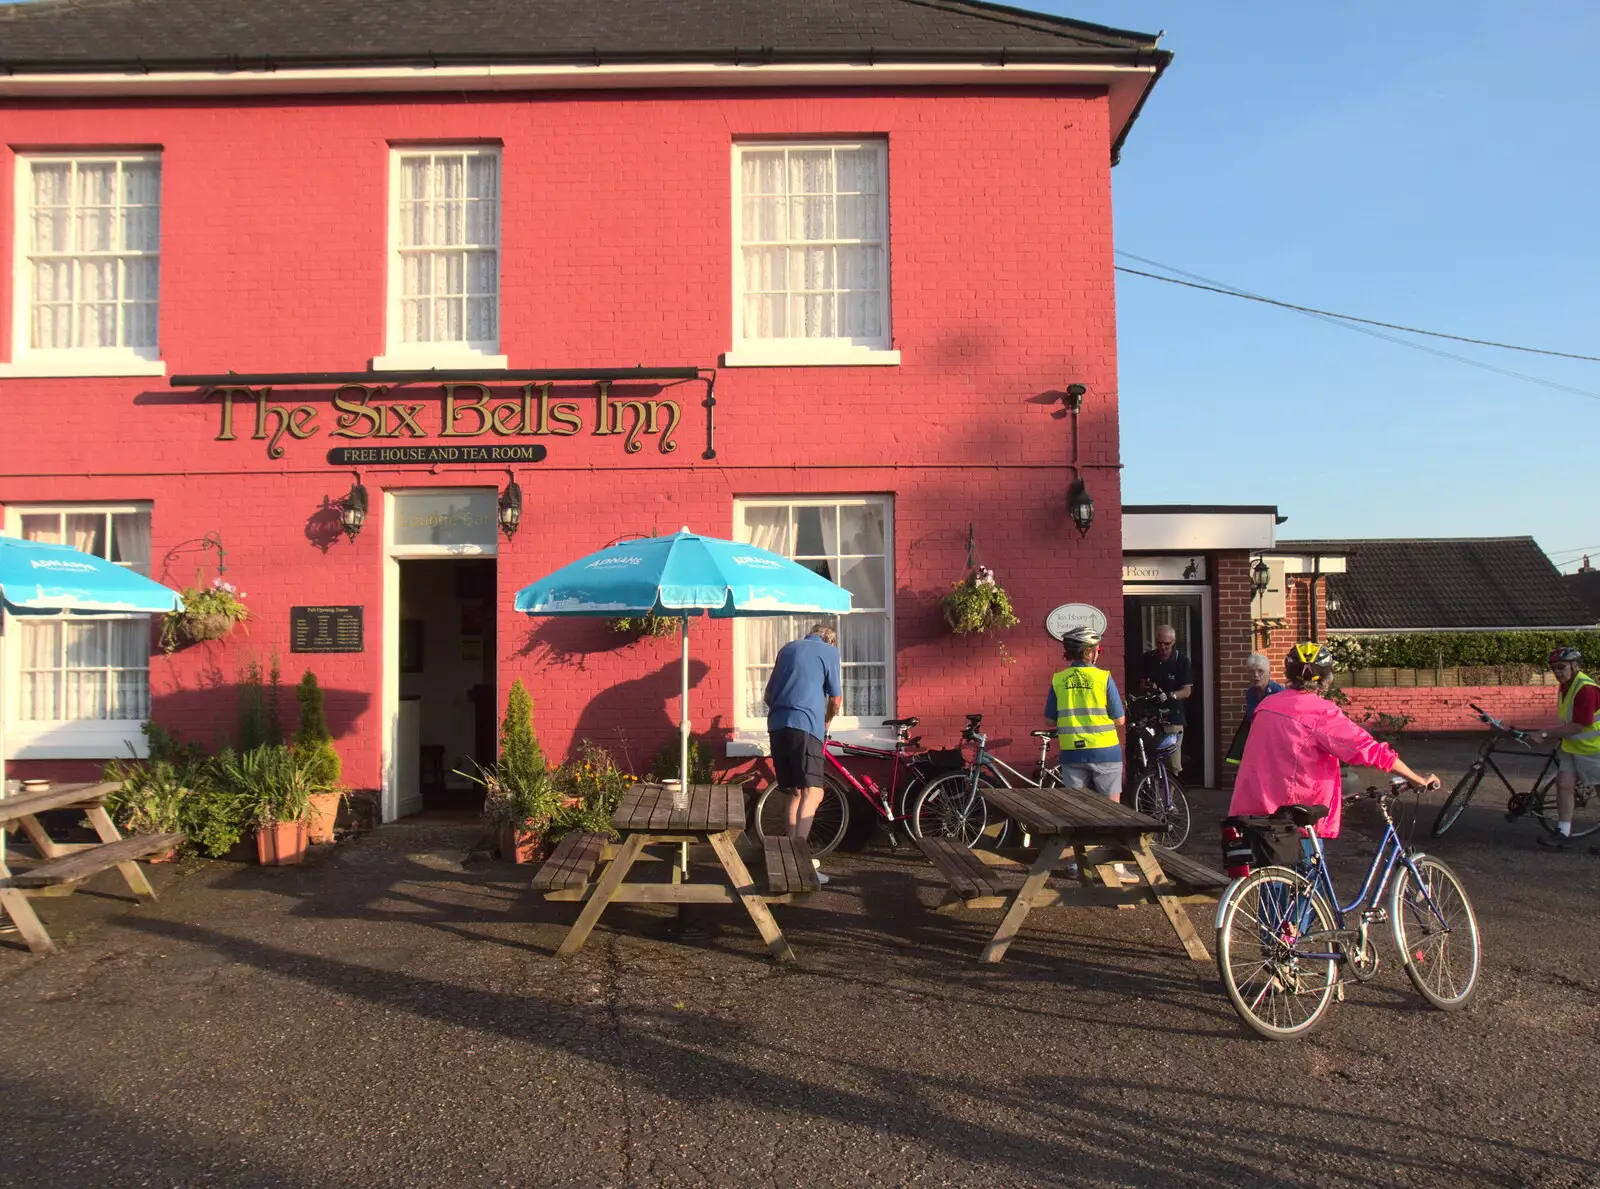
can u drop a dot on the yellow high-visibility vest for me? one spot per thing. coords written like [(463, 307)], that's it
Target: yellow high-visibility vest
[(1082, 722), (1587, 742)]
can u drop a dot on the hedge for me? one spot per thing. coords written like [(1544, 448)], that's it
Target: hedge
[(1447, 650)]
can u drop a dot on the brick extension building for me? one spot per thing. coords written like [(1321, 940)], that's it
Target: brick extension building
[(882, 228)]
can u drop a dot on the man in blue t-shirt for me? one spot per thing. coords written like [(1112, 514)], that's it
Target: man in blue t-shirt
[(803, 694)]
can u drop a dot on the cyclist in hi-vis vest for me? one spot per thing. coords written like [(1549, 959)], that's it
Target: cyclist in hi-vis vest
[(1085, 710), (1577, 703)]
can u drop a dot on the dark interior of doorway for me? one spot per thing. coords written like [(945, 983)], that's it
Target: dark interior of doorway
[(447, 661), (1142, 614)]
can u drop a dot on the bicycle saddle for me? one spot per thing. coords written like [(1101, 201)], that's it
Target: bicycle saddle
[(899, 722), (1042, 734), (1301, 815)]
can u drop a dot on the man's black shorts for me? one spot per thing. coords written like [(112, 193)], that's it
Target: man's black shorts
[(797, 757)]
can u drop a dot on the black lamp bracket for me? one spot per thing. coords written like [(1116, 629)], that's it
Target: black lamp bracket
[(201, 544)]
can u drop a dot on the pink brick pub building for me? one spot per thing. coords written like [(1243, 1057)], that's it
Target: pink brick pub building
[(886, 237)]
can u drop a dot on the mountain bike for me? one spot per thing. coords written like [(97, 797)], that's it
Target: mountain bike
[(1540, 800), (909, 770), (951, 806), (1046, 775), (1285, 943), (1156, 792)]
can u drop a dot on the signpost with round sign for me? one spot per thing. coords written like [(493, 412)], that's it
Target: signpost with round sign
[(1074, 615)]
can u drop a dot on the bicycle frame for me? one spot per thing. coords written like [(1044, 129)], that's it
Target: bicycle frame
[(887, 803), (1485, 761), (1391, 853)]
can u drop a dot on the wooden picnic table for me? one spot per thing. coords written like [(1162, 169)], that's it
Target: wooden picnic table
[(645, 817), (64, 865), (1099, 832)]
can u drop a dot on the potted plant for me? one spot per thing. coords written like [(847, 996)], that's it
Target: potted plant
[(277, 784), (977, 603), (313, 744), (208, 613), (520, 799), (591, 785), (150, 800)]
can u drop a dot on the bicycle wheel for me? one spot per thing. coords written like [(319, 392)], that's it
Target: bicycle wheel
[(1586, 809), (827, 827), (1436, 932), (949, 808), (1457, 800), (1171, 810), (1277, 992)]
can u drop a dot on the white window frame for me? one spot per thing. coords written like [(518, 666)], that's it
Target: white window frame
[(27, 360), (798, 352), (749, 736), (400, 355), (63, 739)]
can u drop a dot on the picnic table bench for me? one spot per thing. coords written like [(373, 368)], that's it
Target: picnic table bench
[(1099, 833), (713, 816), (63, 865)]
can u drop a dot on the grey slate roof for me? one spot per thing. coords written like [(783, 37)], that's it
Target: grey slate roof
[(79, 32), (1450, 582)]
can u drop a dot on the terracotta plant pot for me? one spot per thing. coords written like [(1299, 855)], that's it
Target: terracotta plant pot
[(281, 844), (321, 816), (520, 846), (166, 856)]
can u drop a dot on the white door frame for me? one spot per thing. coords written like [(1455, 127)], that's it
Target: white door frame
[(393, 555), (1208, 666)]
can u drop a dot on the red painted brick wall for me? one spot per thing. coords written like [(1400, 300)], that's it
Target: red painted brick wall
[(1445, 708), (616, 251)]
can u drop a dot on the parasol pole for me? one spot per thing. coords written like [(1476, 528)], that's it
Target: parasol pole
[(683, 712)]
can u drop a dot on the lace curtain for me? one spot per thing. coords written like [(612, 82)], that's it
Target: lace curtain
[(813, 251), (449, 233), (94, 253)]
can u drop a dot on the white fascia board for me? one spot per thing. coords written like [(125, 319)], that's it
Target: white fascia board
[(1310, 563), (1147, 532), (1125, 84)]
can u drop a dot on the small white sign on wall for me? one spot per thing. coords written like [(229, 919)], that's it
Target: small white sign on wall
[(1074, 615), (1179, 568)]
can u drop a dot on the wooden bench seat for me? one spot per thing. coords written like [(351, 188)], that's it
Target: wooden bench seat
[(789, 867), (81, 864), (1189, 872), (572, 863), (968, 875)]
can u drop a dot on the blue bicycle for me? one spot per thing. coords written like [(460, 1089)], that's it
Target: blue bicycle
[(1284, 941)]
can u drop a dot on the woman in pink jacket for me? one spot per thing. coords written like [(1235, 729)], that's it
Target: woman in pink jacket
[(1297, 739)]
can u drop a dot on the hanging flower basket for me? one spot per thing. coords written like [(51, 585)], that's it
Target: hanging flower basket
[(208, 613), (978, 603), (650, 625)]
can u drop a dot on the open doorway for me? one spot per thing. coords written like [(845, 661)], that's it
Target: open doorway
[(448, 701), (1185, 612)]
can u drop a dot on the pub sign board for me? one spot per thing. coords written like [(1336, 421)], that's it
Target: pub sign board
[(326, 629)]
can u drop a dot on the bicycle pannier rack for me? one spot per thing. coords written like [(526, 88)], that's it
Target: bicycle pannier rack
[(1258, 842)]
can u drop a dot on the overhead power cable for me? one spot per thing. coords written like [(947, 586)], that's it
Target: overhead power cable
[(1360, 325)]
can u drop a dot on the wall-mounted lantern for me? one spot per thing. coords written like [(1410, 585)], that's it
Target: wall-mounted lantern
[(510, 506), (353, 509), (1080, 506), (1260, 577)]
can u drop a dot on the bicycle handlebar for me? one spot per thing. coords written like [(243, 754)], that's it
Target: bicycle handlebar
[(1397, 786), (1517, 733)]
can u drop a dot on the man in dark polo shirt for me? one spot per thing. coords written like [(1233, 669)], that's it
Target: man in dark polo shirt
[(1167, 671), (803, 694)]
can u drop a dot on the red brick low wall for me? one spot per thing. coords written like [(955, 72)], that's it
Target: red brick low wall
[(1445, 708)]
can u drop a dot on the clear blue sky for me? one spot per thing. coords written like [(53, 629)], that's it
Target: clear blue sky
[(1432, 163)]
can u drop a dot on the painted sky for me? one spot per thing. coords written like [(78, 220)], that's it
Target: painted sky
[(1428, 163)]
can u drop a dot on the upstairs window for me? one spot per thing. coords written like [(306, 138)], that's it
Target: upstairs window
[(444, 268), (89, 267), (812, 267)]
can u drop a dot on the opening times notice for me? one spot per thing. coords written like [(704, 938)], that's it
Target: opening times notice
[(326, 629)]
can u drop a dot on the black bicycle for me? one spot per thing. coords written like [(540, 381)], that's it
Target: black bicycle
[(1156, 792), (1540, 800)]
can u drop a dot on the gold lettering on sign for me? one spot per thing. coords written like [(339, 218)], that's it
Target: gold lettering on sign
[(298, 421), (225, 431), (568, 420), (453, 410), (646, 413), (405, 417), (357, 411)]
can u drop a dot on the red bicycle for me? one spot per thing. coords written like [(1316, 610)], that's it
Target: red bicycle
[(910, 770)]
